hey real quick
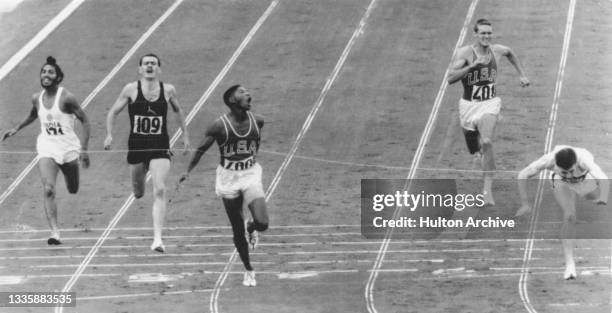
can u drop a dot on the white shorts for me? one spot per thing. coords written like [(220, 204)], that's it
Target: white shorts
[(60, 152), (470, 112), (231, 184), (588, 185)]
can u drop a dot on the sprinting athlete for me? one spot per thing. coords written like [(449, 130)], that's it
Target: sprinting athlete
[(58, 145), (238, 181), (148, 100), (574, 174), (476, 67)]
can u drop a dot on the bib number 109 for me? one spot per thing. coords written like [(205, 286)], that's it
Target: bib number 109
[(147, 125), (484, 92)]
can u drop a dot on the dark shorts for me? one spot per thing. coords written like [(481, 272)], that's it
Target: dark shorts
[(145, 156)]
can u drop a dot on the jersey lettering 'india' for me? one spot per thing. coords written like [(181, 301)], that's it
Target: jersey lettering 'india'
[(479, 83), (238, 152)]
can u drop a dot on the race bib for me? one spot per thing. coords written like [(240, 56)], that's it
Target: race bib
[(238, 165), (53, 128), (147, 125), (484, 92)]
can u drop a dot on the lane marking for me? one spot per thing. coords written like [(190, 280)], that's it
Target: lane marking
[(28, 229), (38, 38), (523, 285), (369, 289)]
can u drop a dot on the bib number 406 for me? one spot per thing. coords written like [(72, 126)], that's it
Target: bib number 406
[(484, 92)]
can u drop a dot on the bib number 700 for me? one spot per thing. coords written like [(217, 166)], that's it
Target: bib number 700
[(484, 92), (147, 125), (238, 165)]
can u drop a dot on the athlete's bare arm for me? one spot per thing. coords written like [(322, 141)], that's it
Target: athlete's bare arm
[(174, 104), (71, 106), (513, 59), (602, 180), (462, 64), (533, 169), (31, 117), (125, 97), (215, 132)]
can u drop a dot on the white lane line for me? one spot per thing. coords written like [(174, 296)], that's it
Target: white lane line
[(188, 119), (95, 92), (39, 37), (169, 264), (214, 306), (369, 289), (177, 237), (288, 244), (27, 229), (149, 294), (523, 285)]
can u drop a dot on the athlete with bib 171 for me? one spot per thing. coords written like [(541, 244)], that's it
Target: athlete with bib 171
[(475, 66), (58, 145)]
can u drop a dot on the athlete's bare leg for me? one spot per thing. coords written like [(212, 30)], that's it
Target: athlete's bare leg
[(486, 127), (48, 174), (159, 172), (139, 172), (71, 175), (260, 215), (233, 208), (566, 199)]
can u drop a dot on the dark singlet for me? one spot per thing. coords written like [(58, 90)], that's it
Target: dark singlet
[(479, 83), (239, 151), (148, 122)]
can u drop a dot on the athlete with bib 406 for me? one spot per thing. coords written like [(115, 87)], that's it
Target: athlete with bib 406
[(475, 66), (238, 182)]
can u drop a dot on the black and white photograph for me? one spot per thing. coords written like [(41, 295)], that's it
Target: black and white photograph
[(300, 156)]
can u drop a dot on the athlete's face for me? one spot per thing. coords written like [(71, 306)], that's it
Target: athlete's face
[(48, 76), (484, 35), (242, 98), (567, 173), (149, 67)]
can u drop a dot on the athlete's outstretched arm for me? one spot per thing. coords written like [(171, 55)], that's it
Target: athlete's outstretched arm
[(122, 101), (174, 104), (213, 132), (508, 53), (31, 117), (72, 106), (530, 171)]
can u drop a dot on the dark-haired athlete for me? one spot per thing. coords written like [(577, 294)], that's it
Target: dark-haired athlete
[(239, 175), (475, 66), (148, 100), (574, 173), (58, 146)]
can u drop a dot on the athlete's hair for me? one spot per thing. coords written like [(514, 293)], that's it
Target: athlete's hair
[(58, 70), (228, 93), (565, 158), (150, 55), (482, 21)]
